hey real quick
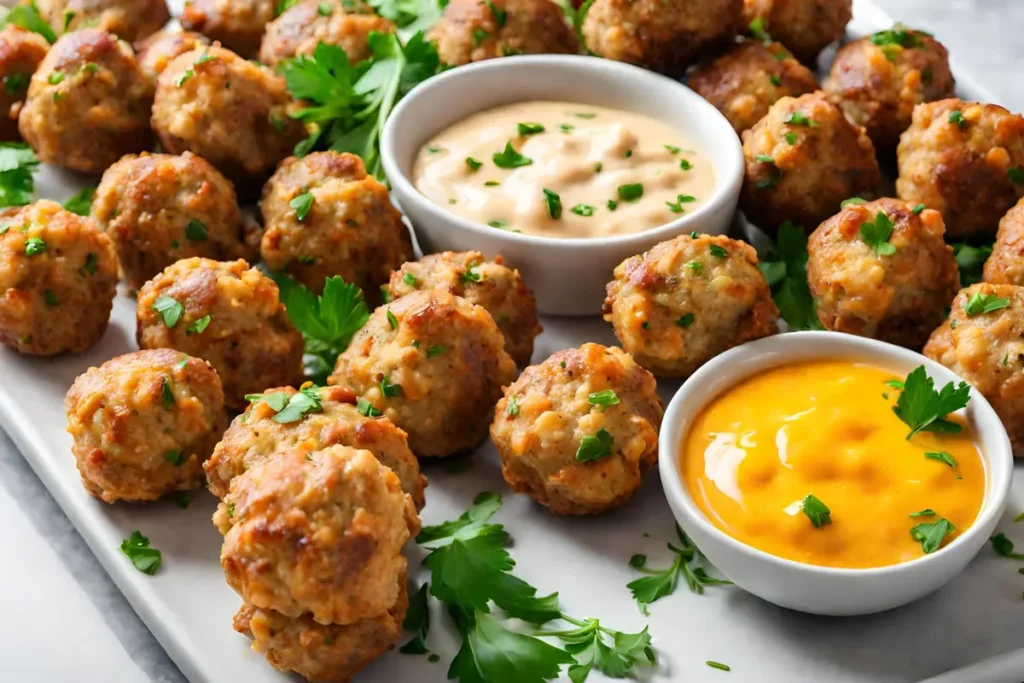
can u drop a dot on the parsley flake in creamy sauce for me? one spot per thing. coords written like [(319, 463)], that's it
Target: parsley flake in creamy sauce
[(561, 169)]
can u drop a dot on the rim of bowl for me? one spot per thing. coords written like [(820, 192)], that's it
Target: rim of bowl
[(728, 181), (675, 428)]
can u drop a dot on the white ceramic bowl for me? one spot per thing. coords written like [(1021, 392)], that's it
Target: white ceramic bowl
[(568, 276), (809, 588)]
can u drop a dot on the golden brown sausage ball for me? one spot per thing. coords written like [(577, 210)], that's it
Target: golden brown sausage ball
[(156, 52), (58, 278), (319, 532), (579, 431), (471, 31), (684, 301), (434, 364), (320, 652), (804, 26), (237, 24), (893, 289), (143, 423), (490, 284), (965, 160), (21, 52), (662, 35), (345, 23), (749, 78), (323, 215), (161, 208), (229, 111), (987, 350), (256, 436), (1005, 266), (803, 159), (129, 20), (879, 79), (228, 314), (88, 104)]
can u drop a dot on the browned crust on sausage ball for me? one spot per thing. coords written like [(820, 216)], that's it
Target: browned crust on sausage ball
[(963, 165), (21, 52), (129, 20), (158, 50), (237, 24), (89, 81), (804, 26), (143, 423), (58, 278), (745, 81), (490, 284), (815, 163), (303, 26), (899, 298), (1006, 264)]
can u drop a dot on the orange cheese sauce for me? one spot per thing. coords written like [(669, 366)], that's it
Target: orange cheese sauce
[(825, 428)]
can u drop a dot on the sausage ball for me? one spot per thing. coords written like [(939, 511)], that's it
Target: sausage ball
[(748, 79), (471, 31), (21, 52), (663, 35), (686, 300), (229, 111), (228, 314), (237, 24), (965, 160), (319, 532), (88, 104), (879, 79), (323, 215), (432, 363), (490, 284), (987, 349), (58, 278), (143, 423), (579, 431), (320, 652), (255, 436), (303, 26), (804, 26), (129, 20), (803, 159), (891, 287), (156, 52), (1005, 266)]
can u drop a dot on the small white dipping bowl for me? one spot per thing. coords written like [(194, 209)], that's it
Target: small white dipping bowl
[(805, 587), (568, 276)]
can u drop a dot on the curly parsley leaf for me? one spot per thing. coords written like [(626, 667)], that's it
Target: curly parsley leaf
[(923, 409), (876, 234), (785, 269), (18, 163), (662, 582)]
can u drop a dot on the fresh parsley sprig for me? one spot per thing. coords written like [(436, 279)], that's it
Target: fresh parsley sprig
[(662, 582), (411, 16), (81, 203), (924, 409), (970, 259), (27, 16), (1004, 547), (785, 269), (18, 163), (876, 234), (143, 557)]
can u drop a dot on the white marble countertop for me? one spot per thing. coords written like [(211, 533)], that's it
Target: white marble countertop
[(64, 619)]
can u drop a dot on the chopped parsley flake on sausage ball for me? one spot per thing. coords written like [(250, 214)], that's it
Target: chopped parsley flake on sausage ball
[(88, 104), (319, 532), (683, 302), (300, 28), (882, 270), (471, 31), (258, 434), (745, 81), (1006, 264), (662, 35), (490, 284), (804, 26), (21, 52), (143, 423), (434, 364), (982, 341), (323, 215), (229, 111), (879, 79), (158, 50), (578, 432), (58, 278), (803, 159), (965, 160), (129, 20), (161, 208), (228, 314), (237, 24)]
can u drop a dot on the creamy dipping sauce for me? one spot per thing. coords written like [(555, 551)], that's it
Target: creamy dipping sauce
[(560, 169)]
